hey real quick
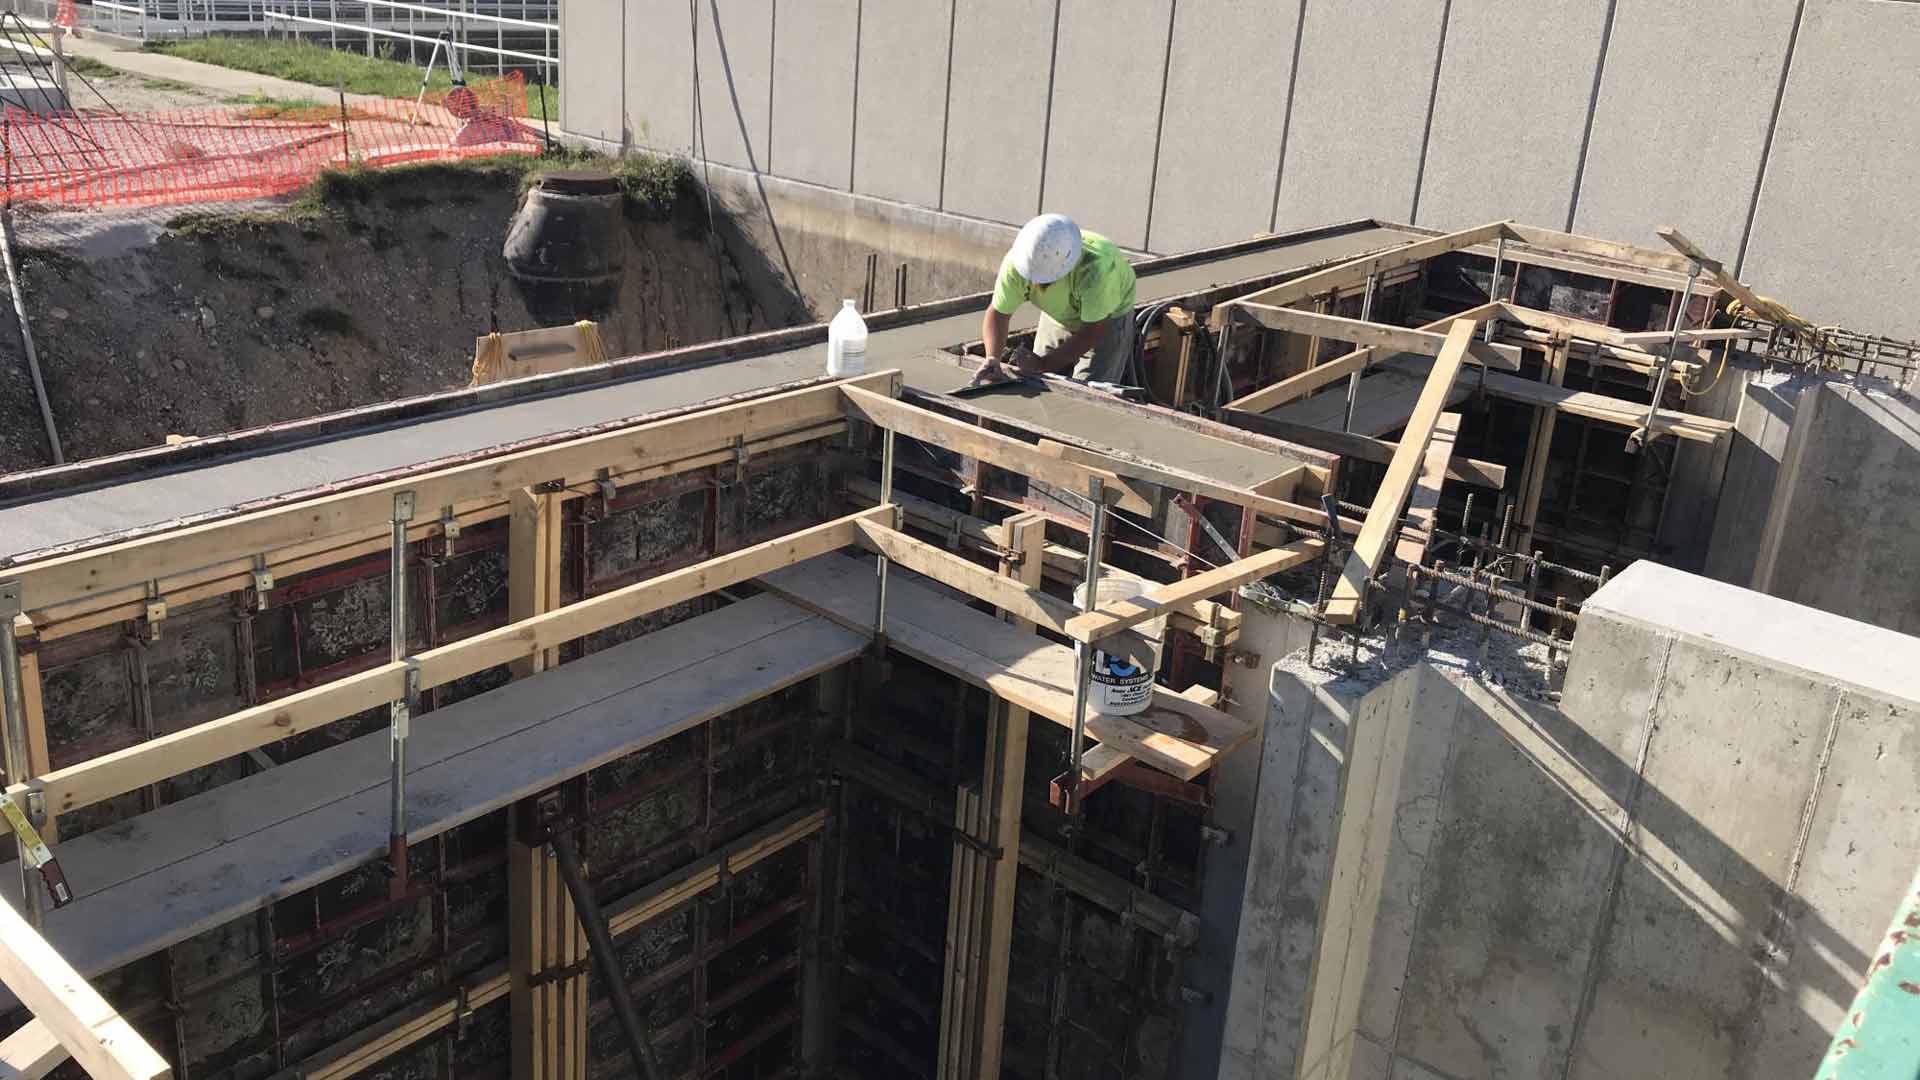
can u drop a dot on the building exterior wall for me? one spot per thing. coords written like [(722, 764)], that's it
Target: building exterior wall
[(1778, 142)]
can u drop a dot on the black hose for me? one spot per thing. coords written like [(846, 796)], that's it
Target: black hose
[(604, 958)]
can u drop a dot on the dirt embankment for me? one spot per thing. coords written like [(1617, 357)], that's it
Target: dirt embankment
[(372, 287)]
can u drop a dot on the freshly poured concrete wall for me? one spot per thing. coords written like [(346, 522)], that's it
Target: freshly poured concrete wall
[(1175, 125), (1846, 507), (1679, 871)]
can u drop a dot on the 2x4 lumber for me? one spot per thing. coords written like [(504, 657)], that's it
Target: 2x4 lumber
[(1131, 499), (703, 431), (116, 773), (1690, 337), (1545, 420), (1594, 247), (1024, 535), (30, 1053), (358, 1052), (1426, 492), (1062, 563), (1563, 325), (1383, 517), (1372, 334), (1272, 397), (96, 1036), (1103, 763), (533, 565), (976, 442), (690, 881), (1026, 603), (1749, 299), (1611, 410), (1473, 471), (1356, 271), (1092, 626)]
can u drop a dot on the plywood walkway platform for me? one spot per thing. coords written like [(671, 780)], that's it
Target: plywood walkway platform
[(159, 878)]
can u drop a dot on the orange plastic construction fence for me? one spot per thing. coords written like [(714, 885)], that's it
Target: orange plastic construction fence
[(96, 158)]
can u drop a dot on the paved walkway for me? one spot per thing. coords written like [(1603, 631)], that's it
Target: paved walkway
[(219, 81)]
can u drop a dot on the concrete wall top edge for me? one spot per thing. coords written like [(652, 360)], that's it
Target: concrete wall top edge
[(1775, 631)]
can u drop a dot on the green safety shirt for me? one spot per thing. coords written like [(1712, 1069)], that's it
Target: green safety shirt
[(1098, 287)]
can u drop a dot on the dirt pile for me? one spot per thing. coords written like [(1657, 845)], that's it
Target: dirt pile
[(370, 287)]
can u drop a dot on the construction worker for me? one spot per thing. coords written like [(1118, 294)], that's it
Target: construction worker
[(1084, 289)]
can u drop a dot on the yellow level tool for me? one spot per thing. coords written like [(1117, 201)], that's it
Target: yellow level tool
[(38, 855)]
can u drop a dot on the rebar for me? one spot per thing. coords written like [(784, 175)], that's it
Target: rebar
[(1082, 651)]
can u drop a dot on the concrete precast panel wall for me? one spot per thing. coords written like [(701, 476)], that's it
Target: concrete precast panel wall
[(1776, 134), (1678, 870)]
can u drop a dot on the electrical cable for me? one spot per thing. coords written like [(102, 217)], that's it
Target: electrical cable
[(706, 174)]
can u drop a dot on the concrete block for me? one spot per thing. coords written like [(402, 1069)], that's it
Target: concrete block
[(736, 81), (659, 75), (1516, 882), (1509, 110), (1353, 139), (997, 108), (1217, 166), (1290, 866), (1679, 143), (900, 133), (590, 98), (1760, 427), (1841, 526), (813, 76), (1108, 73), (1853, 866), (1830, 236)]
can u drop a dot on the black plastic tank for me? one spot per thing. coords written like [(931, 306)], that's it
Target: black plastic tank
[(567, 246)]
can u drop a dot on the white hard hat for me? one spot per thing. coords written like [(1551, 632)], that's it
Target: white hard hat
[(1047, 248)]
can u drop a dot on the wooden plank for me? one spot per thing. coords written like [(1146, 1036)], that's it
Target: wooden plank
[(102, 1043), (170, 755), (1180, 480), (1563, 325), (1473, 471), (32, 697), (1092, 626), (1733, 286), (533, 566), (1103, 763), (1131, 499), (1545, 420), (1173, 735), (1383, 518), (368, 1047), (1268, 398), (705, 873), (1594, 247), (1426, 491), (1594, 406), (1028, 605), (1383, 404), (1025, 534), (30, 1053), (704, 431), (1379, 336), (1652, 338), (976, 442), (1356, 271)]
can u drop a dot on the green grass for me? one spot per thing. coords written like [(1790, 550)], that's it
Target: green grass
[(164, 84), (90, 68), (320, 66)]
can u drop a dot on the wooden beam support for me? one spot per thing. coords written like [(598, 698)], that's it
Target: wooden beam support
[(1103, 763), (1731, 285), (1131, 499), (1092, 626), (1426, 492), (1272, 397), (1563, 325), (1379, 336), (158, 759), (67, 577), (1596, 248), (30, 1053), (1356, 271), (1659, 338), (1538, 449), (1473, 471), (533, 566), (1383, 518), (995, 449), (102, 1043), (1611, 410)]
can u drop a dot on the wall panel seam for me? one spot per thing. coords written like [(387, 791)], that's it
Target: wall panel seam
[(1766, 144)]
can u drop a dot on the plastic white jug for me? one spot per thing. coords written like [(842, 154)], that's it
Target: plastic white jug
[(847, 342)]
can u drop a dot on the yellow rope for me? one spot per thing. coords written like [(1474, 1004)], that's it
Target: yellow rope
[(490, 362), (590, 344)]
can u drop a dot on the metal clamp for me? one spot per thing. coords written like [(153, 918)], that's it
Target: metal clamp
[(739, 446), (262, 582), (449, 524), (35, 851), (156, 612)]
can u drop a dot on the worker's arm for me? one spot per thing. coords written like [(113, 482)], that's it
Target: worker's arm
[(993, 330), (1062, 358)]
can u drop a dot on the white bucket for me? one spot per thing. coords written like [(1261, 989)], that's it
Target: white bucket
[(1119, 686)]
